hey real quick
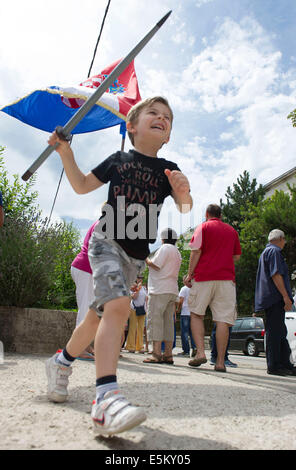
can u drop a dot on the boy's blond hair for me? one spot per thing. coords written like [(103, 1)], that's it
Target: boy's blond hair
[(134, 112)]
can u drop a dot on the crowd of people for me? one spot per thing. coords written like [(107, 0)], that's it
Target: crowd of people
[(108, 274)]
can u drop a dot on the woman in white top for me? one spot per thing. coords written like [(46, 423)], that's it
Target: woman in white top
[(135, 337)]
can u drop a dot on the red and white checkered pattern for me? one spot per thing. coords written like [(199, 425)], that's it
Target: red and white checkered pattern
[(125, 90)]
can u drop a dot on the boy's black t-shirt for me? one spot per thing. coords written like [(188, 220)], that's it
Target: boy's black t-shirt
[(138, 186)]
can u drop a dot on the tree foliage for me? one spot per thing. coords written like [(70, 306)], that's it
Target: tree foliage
[(18, 197), (244, 193), (292, 116), (62, 289), (278, 211), (35, 257), (254, 217), (29, 271), (182, 246)]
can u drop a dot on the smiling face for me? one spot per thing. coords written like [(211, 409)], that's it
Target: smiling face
[(153, 123)]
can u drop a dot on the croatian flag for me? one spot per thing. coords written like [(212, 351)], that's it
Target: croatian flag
[(55, 105)]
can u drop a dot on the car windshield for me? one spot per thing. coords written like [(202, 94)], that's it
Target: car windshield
[(248, 324), (259, 323), (237, 324)]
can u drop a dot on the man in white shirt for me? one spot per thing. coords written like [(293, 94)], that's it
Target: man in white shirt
[(162, 295), (185, 323)]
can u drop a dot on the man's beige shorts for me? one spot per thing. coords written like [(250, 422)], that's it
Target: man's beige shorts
[(220, 296)]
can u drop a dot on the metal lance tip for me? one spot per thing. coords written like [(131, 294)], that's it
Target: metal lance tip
[(160, 23), (26, 175)]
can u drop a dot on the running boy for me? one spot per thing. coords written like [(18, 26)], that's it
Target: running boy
[(139, 182)]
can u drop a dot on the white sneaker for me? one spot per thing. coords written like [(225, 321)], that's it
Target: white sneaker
[(114, 414), (57, 376)]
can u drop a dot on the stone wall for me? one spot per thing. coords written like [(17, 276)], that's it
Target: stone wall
[(33, 330)]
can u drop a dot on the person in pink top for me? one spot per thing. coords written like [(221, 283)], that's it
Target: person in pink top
[(81, 273), (215, 247)]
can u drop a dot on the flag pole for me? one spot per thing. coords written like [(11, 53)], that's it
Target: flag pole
[(88, 75), (86, 107), (122, 143)]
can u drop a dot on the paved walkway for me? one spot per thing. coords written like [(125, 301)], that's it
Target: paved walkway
[(186, 408)]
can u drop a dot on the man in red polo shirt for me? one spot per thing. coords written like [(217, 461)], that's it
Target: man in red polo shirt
[(214, 248)]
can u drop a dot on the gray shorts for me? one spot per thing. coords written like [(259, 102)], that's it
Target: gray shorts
[(113, 271), (160, 318)]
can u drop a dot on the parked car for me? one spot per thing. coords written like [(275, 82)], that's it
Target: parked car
[(291, 335), (247, 335)]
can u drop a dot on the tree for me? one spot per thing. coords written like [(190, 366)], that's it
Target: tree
[(278, 211), (18, 197), (35, 257), (292, 116), (238, 199), (182, 245), (66, 238)]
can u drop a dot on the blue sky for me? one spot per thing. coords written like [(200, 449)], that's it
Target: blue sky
[(226, 66)]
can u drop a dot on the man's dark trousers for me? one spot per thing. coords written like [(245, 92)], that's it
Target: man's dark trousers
[(214, 352), (185, 332), (277, 347)]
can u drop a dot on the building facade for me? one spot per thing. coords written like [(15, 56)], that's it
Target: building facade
[(280, 183)]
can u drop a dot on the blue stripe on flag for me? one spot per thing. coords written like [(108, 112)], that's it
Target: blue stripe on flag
[(45, 111)]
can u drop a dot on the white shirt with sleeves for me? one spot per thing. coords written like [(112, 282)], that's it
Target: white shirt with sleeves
[(165, 281), (184, 292)]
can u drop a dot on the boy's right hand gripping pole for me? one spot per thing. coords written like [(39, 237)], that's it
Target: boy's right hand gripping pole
[(86, 107)]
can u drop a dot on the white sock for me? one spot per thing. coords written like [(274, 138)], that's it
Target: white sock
[(64, 358), (102, 388)]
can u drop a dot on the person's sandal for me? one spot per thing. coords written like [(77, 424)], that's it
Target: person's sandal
[(196, 362), (154, 359), (86, 356), (220, 369), (167, 360)]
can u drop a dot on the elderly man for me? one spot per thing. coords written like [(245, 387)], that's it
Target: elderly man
[(273, 295), (162, 295), (214, 247)]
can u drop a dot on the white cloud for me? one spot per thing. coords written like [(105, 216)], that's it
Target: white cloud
[(200, 3), (241, 73), (226, 136), (238, 74), (181, 36), (270, 135), (235, 69), (230, 118)]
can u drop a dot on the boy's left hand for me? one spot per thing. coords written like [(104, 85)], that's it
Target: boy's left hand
[(178, 181)]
